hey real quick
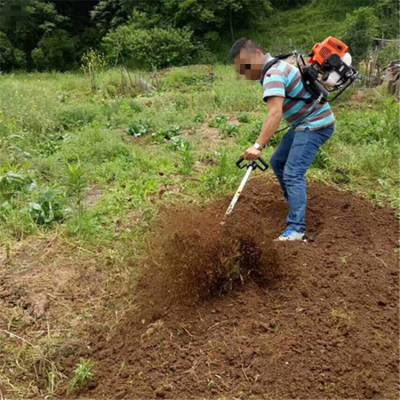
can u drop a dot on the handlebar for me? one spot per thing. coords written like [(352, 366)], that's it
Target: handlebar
[(259, 163)]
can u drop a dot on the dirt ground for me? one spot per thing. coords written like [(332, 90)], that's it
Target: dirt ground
[(224, 312)]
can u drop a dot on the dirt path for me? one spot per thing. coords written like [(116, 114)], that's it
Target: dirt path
[(304, 320)]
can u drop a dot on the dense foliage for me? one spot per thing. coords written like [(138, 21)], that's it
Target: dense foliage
[(55, 34), (146, 48), (362, 26)]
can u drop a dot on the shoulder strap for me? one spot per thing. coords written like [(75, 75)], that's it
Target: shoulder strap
[(270, 64)]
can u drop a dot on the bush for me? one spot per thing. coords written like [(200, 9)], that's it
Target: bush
[(55, 50), (144, 49)]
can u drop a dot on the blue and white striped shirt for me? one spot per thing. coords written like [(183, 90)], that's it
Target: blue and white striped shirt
[(284, 79)]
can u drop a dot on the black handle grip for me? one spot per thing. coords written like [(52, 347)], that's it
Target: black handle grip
[(259, 163), (239, 163)]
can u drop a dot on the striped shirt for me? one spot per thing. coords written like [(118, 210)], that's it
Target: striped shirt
[(285, 79)]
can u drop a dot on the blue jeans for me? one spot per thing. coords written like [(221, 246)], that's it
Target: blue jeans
[(290, 162)]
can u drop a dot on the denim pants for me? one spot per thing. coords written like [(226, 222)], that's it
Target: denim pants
[(290, 162)]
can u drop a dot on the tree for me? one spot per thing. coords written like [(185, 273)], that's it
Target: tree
[(388, 13), (77, 12), (26, 21), (109, 14), (10, 57), (6, 53), (361, 27), (287, 4), (56, 50), (205, 16)]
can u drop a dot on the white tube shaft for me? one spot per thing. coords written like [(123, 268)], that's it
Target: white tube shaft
[(239, 191)]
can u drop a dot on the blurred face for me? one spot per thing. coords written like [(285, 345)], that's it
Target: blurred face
[(250, 63)]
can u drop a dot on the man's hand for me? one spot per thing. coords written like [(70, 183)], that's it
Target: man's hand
[(252, 154)]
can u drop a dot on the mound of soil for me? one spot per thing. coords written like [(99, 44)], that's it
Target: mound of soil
[(225, 312)]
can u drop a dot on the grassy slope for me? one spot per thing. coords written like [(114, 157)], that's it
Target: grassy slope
[(299, 28)]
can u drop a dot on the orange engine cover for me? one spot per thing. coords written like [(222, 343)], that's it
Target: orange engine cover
[(322, 51)]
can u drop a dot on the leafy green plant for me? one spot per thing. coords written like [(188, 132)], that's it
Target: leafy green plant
[(225, 128), (83, 374), (50, 144), (183, 147), (47, 209), (139, 128), (218, 121), (163, 135), (229, 130), (12, 183), (244, 118), (199, 118), (76, 182), (179, 144)]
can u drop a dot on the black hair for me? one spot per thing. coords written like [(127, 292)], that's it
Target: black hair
[(243, 43)]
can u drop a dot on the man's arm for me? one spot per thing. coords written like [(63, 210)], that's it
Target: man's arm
[(270, 126)]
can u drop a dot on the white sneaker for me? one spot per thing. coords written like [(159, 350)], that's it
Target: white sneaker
[(291, 234)]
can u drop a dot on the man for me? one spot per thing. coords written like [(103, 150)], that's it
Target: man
[(312, 124)]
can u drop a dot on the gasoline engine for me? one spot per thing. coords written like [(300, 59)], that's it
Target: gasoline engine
[(328, 70)]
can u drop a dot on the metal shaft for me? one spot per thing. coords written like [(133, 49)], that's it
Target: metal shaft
[(239, 191)]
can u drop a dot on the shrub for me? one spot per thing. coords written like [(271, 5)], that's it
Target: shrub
[(147, 48)]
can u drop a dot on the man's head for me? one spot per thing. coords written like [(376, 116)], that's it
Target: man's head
[(248, 57)]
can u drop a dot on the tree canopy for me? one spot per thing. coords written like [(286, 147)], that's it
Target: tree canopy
[(54, 34)]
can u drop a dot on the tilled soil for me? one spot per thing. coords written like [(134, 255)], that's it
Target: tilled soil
[(223, 311)]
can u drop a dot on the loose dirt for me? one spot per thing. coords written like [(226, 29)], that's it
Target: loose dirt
[(226, 312)]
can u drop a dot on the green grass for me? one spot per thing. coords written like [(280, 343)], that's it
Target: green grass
[(59, 140)]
